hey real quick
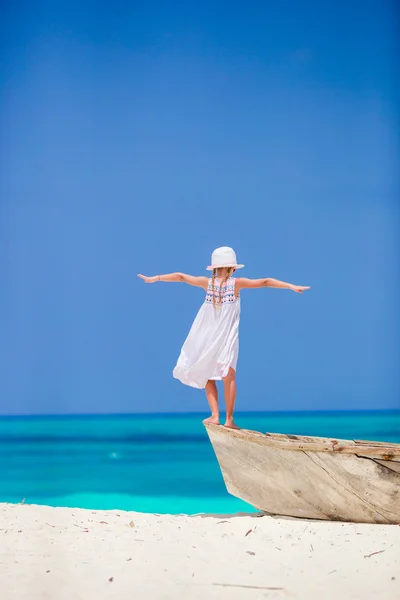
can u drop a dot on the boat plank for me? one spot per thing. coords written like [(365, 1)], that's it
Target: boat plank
[(374, 449)]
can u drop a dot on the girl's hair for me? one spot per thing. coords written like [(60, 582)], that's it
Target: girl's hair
[(229, 273)]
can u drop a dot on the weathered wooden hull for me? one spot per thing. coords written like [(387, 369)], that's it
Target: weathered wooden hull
[(308, 477)]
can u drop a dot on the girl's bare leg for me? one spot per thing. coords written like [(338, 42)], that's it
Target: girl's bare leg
[(230, 397), (212, 397)]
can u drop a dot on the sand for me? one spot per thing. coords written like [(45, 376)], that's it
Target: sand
[(63, 553)]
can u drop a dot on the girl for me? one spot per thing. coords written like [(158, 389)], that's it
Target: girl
[(210, 351)]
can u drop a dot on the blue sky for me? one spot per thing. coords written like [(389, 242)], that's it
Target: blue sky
[(137, 137)]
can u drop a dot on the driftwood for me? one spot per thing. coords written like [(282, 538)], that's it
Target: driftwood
[(310, 477)]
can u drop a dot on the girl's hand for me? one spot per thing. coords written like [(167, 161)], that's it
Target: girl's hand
[(300, 288), (149, 279)]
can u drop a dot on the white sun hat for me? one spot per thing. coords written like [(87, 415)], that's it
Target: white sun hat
[(223, 257)]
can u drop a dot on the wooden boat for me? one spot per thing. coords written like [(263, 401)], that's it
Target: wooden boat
[(310, 477)]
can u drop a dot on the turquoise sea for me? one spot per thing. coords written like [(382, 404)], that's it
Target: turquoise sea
[(149, 463)]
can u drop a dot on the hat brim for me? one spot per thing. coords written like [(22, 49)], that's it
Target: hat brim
[(212, 267)]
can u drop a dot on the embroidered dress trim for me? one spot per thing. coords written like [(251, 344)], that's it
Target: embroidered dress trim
[(227, 295)]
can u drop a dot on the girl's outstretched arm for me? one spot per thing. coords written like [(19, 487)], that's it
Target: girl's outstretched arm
[(177, 277), (242, 283)]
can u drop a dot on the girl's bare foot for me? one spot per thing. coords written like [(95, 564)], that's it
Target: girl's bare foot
[(231, 425), (212, 420)]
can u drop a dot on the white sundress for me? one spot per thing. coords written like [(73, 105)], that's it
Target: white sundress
[(212, 345)]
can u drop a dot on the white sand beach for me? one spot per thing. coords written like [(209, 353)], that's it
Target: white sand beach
[(65, 554)]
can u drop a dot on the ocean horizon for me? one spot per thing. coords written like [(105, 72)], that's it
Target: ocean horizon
[(159, 463)]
